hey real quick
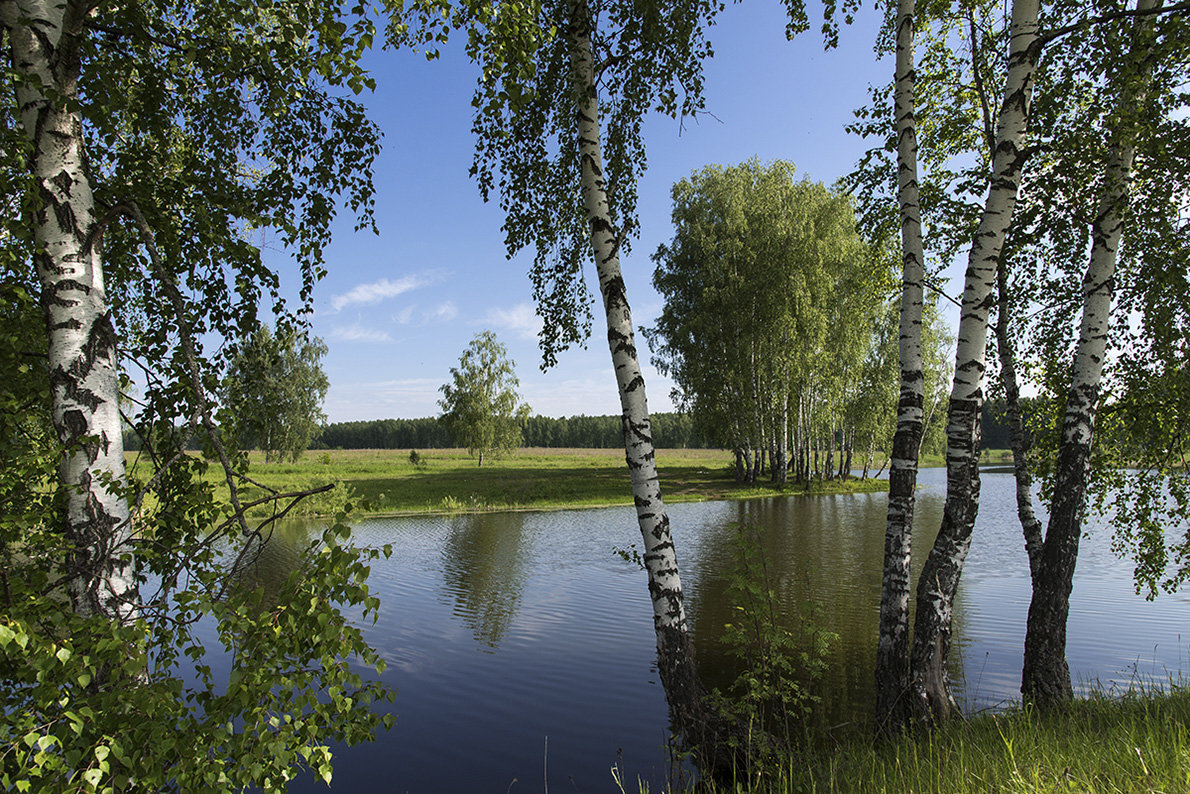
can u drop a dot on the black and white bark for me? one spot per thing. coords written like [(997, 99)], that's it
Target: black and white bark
[(943, 568), (1045, 680), (892, 650), (45, 39), (1030, 524), (674, 648)]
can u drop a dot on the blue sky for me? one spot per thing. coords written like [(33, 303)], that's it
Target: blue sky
[(396, 310)]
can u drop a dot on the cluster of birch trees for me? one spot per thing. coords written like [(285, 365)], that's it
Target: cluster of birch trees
[(1049, 167), (777, 326), (142, 140)]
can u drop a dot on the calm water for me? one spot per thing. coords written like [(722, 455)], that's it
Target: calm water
[(522, 647)]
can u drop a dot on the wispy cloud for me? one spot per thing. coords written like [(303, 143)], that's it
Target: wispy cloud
[(520, 320), (357, 333), (443, 313), (378, 291)]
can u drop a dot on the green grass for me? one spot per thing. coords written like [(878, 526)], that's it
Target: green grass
[(385, 482), (1136, 743)]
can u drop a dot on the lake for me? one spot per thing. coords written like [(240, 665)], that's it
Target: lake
[(522, 648)]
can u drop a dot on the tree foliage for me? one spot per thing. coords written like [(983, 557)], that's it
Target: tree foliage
[(480, 406), (648, 57), (777, 320), (274, 390), (200, 126)]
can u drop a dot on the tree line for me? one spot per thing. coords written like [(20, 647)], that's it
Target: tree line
[(673, 430)]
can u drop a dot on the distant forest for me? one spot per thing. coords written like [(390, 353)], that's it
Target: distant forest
[(670, 430)]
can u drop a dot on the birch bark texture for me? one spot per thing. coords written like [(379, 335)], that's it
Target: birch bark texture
[(1019, 438), (674, 649), (562, 91), (940, 575), (45, 38), (1045, 679), (892, 649)]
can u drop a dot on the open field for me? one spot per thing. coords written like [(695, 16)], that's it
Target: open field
[(387, 482)]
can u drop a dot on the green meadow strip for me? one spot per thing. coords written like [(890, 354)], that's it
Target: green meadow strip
[(397, 482)]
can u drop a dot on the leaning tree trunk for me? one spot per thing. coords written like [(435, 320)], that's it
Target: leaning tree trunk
[(674, 649), (1030, 525), (892, 650), (940, 575), (45, 39), (1045, 679)]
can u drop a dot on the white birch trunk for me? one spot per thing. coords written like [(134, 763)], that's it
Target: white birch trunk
[(940, 574), (1045, 679), (892, 650), (675, 654), (83, 365)]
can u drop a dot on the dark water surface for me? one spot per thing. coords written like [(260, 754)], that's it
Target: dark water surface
[(522, 647)]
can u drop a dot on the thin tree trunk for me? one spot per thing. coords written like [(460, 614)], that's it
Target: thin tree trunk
[(45, 38), (1045, 679), (940, 575), (1030, 525), (850, 451), (828, 463), (781, 468), (892, 649), (674, 649)]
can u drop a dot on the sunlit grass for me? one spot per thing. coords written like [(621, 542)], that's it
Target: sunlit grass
[(1136, 743), (387, 482)]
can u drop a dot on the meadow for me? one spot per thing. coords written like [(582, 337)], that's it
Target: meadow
[(396, 482)]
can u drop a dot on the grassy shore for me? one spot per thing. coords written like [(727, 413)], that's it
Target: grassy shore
[(1139, 742), (387, 482)]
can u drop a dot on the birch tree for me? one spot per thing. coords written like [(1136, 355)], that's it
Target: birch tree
[(1046, 676), (771, 301), (892, 649), (480, 406), (920, 687), (563, 90), (940, 574), (273, 392), (143, 143)]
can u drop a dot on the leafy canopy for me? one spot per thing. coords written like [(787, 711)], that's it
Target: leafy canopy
[(274, 390), (480, 406), (648, 57), (221, 123)]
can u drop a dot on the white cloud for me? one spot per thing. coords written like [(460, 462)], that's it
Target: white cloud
[(377, 291), (441, 314), (520, 320), (357, 333), (445, 313)]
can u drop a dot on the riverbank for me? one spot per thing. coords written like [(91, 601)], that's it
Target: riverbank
[(1139, 742), (394, 482)]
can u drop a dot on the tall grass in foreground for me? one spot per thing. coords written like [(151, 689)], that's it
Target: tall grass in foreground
[(1136, 743)]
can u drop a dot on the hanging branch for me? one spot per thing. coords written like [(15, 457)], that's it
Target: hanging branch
[(131, 210)]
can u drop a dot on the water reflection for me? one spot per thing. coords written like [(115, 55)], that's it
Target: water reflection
[(268, 560), (504, 629), (484, 568), (824, 555)]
